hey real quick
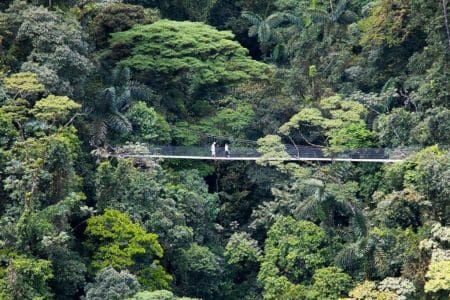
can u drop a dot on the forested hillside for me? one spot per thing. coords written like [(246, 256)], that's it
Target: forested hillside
[(81, 80)]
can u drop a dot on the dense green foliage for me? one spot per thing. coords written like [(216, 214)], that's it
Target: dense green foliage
[(81, 79)]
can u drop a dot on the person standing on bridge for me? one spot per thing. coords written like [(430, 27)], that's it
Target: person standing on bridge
[(227, 150), (213, 149)]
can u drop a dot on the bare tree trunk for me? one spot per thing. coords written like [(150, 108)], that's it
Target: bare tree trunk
[(295, 145), (444, 9)]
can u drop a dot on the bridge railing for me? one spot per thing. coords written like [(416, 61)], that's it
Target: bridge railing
[(294, 152)]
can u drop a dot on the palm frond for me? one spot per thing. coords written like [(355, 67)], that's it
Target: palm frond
[(369, 245), (348, 258), (278, 52), (118, 122), (98, 131), (279, 18), (381, 261), (264, 32), (342, 170), (253, 31), (121, 100), (120, 76), (141, 92), (318, 15), (226, 195), (253, 18), (314, 182), (275, 20), (293, 19), (344, 207), (309, 209), (105, 99), (359, 224)]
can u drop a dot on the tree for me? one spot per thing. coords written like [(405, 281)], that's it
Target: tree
[(290, 244), (401, 287), (114, 17), (148, 125), (327, 17), (231, 120), (199, 271), (434, 128), (367, 290), (329, 283), (394, 129), (425, 172), (8, 133), (194, 59), (241, 250), (108, 109), (59, 51), (243, 255), (110, 284), (198, 11), (23, 85), (438, 279), (337, 122), (351, 136), (26, 278), (264, 28), (384, 252), (69, 271), (54, 109), (178, 211), (386, 24), (400, 209), (116, 241), (309, 196)]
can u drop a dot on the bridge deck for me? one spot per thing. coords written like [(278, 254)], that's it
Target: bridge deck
[(284, 153), (373, 160)]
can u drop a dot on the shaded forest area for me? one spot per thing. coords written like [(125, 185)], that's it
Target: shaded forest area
[(81, 78)]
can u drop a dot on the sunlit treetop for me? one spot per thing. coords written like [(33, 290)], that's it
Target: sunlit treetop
[(54, 108), (204, 54), (24, 83)]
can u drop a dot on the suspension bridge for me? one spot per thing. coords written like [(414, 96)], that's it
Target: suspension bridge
[(282, 153)]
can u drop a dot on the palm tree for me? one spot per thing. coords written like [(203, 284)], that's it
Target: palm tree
[(320, 204), (328, 19), (367, 253), (107, 110), (265, 27)]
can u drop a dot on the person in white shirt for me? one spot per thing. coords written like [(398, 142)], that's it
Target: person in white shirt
[(213, 149), (227, 150)]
